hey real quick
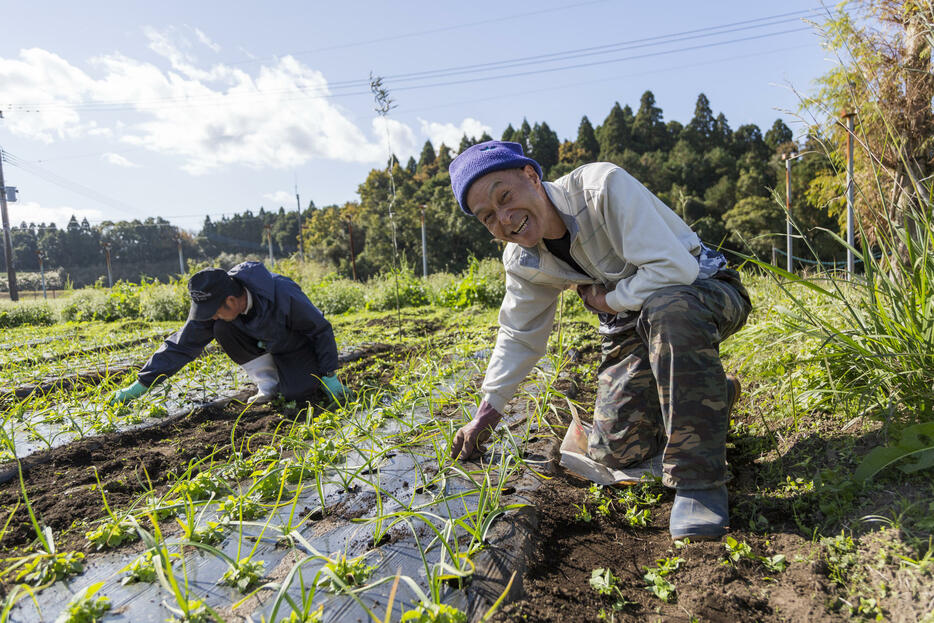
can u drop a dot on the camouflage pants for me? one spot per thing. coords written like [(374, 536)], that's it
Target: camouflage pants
[(662, 387)]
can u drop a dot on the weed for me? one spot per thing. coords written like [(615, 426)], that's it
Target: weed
[(604, 582), (583, 513), (143, 569), (841, 557), (44, 569), (241, 507), (342, 575), (636, 517), (204, 486), (113, 532), (85, 607), (428, 612), (243, 574), (209, 534), (658, 584), (737, 550)]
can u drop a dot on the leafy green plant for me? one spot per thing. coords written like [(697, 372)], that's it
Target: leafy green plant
[(604, 582), (113, 532), (638, 518), (914, 449), (341, 575), (583, 513), (241, 507), (201, 487), (44, 568), (429, 612), (658, 583), (243, 574), (84, 607), (143, 569), (211, 533), (737, 551)]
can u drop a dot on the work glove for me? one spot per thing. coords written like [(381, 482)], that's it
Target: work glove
[(334, 387), (125, 395), (467, 440)]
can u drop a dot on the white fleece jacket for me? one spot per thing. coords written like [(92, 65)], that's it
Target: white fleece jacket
[(621, 234)]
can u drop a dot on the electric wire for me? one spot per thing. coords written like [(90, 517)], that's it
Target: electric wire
[(332, 89)]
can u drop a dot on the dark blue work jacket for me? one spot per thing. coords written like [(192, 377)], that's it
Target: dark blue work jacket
[(291, 328)]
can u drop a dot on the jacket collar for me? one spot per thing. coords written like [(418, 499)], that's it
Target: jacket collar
[(559, 199), (531, 256)]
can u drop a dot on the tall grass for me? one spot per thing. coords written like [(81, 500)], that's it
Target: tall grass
[(876, 348)]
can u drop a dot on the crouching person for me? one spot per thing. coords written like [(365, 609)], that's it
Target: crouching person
[(665, 303), (264, 322)]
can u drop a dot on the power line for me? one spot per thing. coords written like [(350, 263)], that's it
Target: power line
[(566, 85), (331, 89), (686, 35), (418, 33), (67, 184)]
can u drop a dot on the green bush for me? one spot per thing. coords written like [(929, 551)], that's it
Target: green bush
[(484, 283), (158, 302), (400, 286), (19, 314), (121, 301), (437, 283), (335, 295)]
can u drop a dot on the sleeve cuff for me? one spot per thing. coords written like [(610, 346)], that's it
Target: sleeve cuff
[(614, 302), (496, 402)]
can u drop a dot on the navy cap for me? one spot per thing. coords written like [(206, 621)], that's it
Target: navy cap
[(208, 289), (482, 158)]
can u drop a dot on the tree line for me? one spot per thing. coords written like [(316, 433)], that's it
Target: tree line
[(728, 184)]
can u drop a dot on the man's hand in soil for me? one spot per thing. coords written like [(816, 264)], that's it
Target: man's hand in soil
[(467, 440), (127, 394), (594, 297)]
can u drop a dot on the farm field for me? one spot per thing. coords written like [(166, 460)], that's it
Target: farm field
[(187, 505)]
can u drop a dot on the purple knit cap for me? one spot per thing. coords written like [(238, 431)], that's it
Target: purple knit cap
[(482, 158)]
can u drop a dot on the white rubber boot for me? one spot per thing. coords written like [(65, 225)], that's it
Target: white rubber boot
[(262, 371)]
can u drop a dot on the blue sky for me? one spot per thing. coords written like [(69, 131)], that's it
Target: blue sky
[(182, 109)]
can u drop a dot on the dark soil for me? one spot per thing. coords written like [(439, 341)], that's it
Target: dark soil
[(63, 489), (61, 482), (567, 550)]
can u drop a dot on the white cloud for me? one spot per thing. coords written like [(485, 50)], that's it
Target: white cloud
[(203, 38), (400, 139), (208, 116), (280, 198), (451, 134), (118, 160), (33, 212)]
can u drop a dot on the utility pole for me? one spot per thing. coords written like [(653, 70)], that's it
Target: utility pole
[(110, 281), (850, 186), (424, 247), (272, 260), (7, 241), (788, 157), (42, 271), (301, 237), (353, 260), (181, 256)]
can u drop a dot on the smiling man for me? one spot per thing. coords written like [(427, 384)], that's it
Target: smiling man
[(665, 303), (264, 322)]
